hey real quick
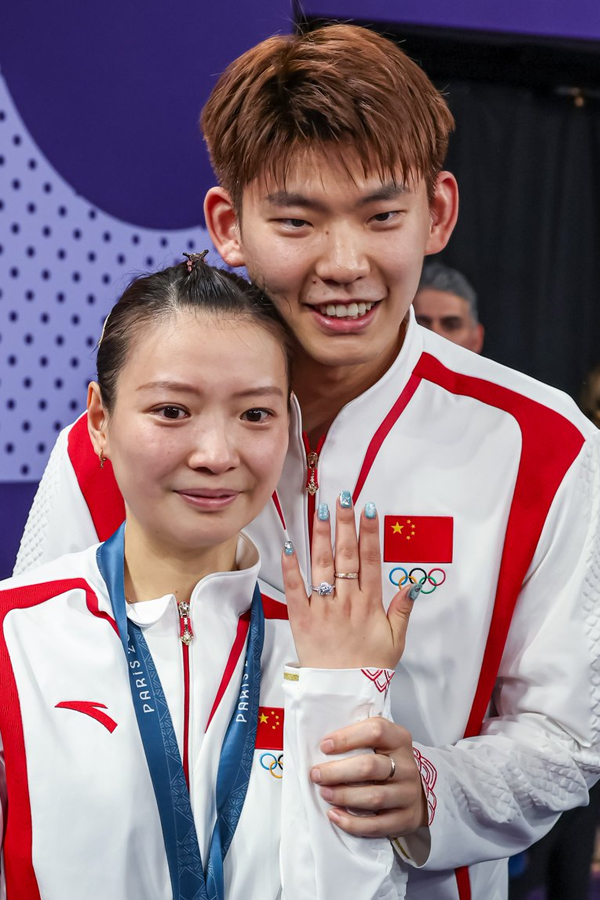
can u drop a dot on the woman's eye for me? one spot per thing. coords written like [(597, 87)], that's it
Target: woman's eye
[(256, 415), (171, 412)]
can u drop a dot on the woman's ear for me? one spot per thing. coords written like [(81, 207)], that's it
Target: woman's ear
[(223, 226), (443, 211), (97, 419)]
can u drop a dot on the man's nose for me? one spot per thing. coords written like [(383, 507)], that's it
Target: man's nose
[(343, 258)]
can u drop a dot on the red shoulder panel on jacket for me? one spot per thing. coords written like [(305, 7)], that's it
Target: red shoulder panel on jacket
[(97, 485), (550, 445)]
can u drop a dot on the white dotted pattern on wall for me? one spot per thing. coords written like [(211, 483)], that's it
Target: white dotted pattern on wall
[(63, 263)]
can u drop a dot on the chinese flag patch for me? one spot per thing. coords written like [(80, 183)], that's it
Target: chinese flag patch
[(426, 539), (269, 732)]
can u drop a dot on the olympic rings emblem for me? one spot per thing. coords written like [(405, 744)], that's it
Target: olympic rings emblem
[(270, 762), (435, 578)]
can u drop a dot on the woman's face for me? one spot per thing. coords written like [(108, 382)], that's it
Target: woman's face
[(199, 430)]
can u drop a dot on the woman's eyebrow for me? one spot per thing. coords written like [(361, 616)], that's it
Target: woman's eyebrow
[(169, 386), (182, 387)]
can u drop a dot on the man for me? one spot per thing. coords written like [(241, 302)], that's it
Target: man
[(329, 149), (447, 304)]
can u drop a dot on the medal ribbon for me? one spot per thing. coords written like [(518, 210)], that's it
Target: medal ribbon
[(188, 879)]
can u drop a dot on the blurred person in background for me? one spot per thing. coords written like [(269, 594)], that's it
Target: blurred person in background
[(447, 304), (589, 400)]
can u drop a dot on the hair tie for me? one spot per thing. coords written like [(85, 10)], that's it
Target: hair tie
[(193, 259)]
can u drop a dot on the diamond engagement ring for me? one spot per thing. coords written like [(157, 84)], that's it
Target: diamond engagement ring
[(324, 589), (345, 575)]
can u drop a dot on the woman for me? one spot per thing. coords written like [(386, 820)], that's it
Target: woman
[(142, 681)]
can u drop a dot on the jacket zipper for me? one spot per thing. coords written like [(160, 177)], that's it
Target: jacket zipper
[(185, 635), (312, 478)]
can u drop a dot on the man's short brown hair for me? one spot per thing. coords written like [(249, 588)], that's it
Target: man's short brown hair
[(340, 85)]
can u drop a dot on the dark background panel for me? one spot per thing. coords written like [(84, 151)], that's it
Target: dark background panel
[(15, 501)]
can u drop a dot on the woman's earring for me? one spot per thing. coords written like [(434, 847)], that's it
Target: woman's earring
[(102, 459)]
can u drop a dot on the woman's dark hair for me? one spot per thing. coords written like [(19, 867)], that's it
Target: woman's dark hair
[(192, 286)]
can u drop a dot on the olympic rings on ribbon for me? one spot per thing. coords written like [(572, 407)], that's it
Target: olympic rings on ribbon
[(273, 762), (426, 578)]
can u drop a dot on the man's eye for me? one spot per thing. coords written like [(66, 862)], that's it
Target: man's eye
[(256, 415), (385, 216), (294, 223)]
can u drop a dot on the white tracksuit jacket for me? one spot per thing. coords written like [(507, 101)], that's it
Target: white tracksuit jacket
[(487, 484), (81, 815)]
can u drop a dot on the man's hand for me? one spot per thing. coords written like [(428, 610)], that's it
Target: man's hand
[(380, 807)]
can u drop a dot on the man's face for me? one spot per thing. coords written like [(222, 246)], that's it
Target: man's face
[(340, 253), (449, 316)]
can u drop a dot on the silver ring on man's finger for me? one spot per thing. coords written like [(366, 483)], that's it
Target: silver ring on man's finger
[(324, 589), (392, 768), (345, 575)]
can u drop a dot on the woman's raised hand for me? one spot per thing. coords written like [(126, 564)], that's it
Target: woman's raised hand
[(342, 624)]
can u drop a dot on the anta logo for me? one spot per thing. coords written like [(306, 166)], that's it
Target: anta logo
[(94, 710)]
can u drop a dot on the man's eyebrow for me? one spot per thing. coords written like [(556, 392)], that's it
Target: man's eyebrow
[(266, 390), (389, 191), (288, 198)]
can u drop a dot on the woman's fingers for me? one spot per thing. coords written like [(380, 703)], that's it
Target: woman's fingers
[(346, 547), (370, 554), (322, 554), (293, 583), (399, 613)]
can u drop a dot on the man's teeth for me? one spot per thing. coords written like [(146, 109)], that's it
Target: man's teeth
[(345, 310)]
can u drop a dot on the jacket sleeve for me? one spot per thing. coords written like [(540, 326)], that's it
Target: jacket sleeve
[(493, 795), (59, 520), (318, 860)]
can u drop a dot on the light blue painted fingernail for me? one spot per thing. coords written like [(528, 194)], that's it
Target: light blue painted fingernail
[(288, 548), (323, 512), (415, 591), (345, 499), (370, 510)]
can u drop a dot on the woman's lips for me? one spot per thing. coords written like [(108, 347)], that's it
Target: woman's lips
[(209, 499)]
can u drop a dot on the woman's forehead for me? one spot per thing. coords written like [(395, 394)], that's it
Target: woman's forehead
[(200, 343)]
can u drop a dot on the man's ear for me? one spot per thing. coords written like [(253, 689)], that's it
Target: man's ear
[(97, 419), (477, 338), (223, 226), (444, 212)]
